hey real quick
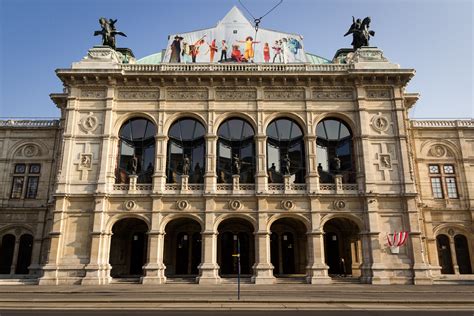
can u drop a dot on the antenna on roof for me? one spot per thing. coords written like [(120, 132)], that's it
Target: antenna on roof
[(257, 21)]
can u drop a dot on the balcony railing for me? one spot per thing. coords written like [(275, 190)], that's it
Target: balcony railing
[(29, 123), (236, 67), (443, 123)]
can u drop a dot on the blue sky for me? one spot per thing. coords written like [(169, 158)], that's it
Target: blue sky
[(435, 37)]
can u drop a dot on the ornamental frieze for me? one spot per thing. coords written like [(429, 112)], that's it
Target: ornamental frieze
[(334, 94), (378, 94), (236, 94), (138, 95), (282, 94), (93, 94), (187, 95)]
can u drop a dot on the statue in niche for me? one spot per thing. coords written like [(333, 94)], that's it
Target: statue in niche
[(108, 32), (134, 165), (237, 165), (186, 165), (337, 165), (360, 32)]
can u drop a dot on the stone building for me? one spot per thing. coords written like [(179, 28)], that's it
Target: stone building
[(162, 171)]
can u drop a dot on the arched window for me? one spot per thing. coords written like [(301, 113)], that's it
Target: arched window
[(334, 151), (235, 145), (186, 141), (136, 150), (285, 150)]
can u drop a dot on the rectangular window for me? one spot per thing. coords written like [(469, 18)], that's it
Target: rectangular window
[(437, 188), (17, 187), (451, 187), (35, 168), (20, 168), (448, 169), (32, 187)]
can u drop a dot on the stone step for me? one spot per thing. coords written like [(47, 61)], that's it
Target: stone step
[(345, 280), (18, 281), (290, 280), (125, 281), (245, 280), (181, 280)]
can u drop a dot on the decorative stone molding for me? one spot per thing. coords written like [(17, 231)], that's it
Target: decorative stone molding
[(187, 95), (378, 94), (236, 94), (93, 94), (284, 94), (138, 95), (379, 123), (235, 205), (89, 123), (368, 54), (85, 161), (287, 204), (339, 204), (182, 204), (437, 151), (130, 205), (30, 150), (332, 94)]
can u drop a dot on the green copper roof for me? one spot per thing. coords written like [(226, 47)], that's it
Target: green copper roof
[(155, 59)]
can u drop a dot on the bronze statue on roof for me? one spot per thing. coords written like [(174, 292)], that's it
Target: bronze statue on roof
[(108, 32), (360, 32)]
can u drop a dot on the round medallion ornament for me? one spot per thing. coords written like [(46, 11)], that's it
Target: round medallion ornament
[(339, 204), (379, 123), (235, 204), (182, 204), (287, 204), (451, 232), (89, 122), (130, 205), (438, 151), (30, 151)]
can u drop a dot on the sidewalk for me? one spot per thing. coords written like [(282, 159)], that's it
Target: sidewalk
[(253, 297)]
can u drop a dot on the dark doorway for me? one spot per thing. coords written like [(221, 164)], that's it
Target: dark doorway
[(182, 248), (6, 253), (234, 232), (288, 247), (341, 247), (462, 254), (444, 254), (128, 248), (24, 254)]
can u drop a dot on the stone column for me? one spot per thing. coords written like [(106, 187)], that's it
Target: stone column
[(209, 269), (373, 269), (312, 176), (316, 269), (263, 269), (35, 268), (452, 247), (210, 177), (15, 256), (97, 270), (154, 269), (159, 176), (261, 165)]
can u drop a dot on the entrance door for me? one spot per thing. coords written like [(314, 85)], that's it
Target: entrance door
[(444, 254), (6, 253), (137, 257), (333, 256), (288, 253), (24, 254), (462, 254), (182, 253)]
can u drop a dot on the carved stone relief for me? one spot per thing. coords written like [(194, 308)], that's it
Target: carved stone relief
[(235, 205), (130, 205), (182, 204), (138, 95), (287, 204), (379, 123), (85, 161), (93, 94), (30, 150), (439, 151), (339, 204), (332, 94), (234, 94), (186, 95), (281, 94), (89, 123), (385, 161), (378, 94)]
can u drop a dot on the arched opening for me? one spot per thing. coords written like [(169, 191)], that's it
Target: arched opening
[(288, 247), (285, 151), (186, 151), (334, 151), (182, 251), (6, 253), (444, 254), (128, 248), (136, 151), (462, 254), (235, 151), (235, 233), (342, 247), (24, 254)]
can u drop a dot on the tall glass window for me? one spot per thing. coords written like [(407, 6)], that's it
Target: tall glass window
[(186, 151), (334, 151), (285, 151), (235, 145), (136, 151)]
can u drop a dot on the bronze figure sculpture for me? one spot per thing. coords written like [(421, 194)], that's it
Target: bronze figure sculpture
[(108, 32), (360, 32)]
